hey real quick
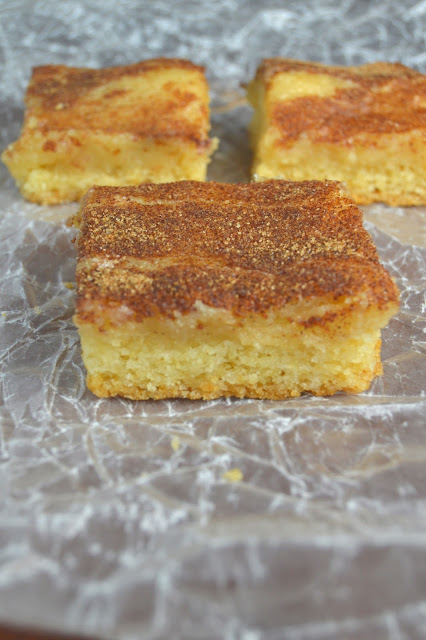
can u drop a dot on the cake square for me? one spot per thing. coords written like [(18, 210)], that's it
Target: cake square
[(202, 290), (144, 122), (365, 126)]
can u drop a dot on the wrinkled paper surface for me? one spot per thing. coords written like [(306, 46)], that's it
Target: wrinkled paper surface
[(239, 519)]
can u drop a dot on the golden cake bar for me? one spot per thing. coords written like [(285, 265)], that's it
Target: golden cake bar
[(202, 290), (365, 126), (144, 122)]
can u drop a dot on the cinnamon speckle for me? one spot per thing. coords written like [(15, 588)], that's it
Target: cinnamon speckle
[(160, 248), (383, 98)]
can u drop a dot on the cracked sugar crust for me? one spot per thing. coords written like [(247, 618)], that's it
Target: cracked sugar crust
[(245, 248)]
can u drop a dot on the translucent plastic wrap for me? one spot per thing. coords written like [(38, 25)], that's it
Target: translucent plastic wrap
[(240, 519)]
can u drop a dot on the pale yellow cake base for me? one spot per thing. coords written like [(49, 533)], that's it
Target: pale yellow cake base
[(211, 353), (392, 172), (65, 174)]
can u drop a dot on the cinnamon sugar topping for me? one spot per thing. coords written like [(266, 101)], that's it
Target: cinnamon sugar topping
[(158, 249)]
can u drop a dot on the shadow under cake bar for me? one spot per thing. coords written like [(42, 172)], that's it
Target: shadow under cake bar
[(362, 125), (202, 290), (144, 122)]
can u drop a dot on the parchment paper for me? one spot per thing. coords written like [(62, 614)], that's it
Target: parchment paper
[(301, 519)]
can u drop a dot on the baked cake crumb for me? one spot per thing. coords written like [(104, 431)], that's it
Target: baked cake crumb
[(143, 122), (365, 126), (202, 290)]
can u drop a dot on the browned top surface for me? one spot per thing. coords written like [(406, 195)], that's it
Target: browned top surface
[(384, 98), (242, 247), (63, 98), (270, 66)]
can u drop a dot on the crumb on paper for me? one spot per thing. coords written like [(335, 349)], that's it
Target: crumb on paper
[(37, 309), (69, 285), (233, 475), (175, 443)]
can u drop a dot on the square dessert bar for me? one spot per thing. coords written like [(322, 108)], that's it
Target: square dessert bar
[(144, 122), (202, 290), (362, 125)]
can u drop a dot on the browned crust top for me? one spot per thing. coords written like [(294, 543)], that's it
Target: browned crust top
[(63, 98), (157, 249), (383, 98), (271, 66)]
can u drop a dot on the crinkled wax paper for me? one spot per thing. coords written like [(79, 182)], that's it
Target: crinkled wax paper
[(301, 519)]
